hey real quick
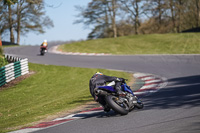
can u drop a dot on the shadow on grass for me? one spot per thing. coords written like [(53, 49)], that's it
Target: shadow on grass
[(192, 30)]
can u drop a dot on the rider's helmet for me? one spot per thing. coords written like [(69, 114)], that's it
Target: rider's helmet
[(99, 73), (45, 43)]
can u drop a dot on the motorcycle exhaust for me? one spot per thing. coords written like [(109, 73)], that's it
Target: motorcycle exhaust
[(100, 92)]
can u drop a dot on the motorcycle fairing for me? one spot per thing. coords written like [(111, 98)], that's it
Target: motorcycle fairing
[(107, 88), (127, 89)]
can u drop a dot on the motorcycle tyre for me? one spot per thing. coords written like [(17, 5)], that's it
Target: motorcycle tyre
[(42, 52), (113, 105)]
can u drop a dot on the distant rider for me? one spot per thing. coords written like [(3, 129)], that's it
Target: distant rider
[(44, 44), (99, 79)]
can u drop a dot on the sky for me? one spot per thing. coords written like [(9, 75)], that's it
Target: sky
[(63, 16)]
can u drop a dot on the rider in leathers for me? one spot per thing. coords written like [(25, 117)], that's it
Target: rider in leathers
[(98, 79)]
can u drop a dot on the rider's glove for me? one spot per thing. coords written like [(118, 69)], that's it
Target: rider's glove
[(121, 93), (120, 79), (123, 80)]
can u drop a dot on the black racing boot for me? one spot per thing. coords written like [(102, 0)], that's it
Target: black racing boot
[(106, 108)]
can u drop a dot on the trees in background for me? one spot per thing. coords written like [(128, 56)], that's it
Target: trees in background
[(23, 16), (100, 15), (194, 6), (95, 16), (134, 10), (112, 18)]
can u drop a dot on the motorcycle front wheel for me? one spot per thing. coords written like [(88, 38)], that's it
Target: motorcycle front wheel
[(139, 105), (117, 105)]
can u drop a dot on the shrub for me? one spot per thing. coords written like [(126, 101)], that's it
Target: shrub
[(1, 51), (3, 61)]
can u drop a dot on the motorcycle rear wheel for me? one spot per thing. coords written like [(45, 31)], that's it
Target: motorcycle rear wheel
[(121, 108)]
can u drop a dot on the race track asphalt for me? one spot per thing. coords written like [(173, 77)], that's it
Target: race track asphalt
[(174, 108)]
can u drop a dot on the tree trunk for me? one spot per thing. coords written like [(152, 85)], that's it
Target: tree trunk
[(173, 18), (136, 17), (179, 15), (113, 18), (160, 12), (0, 40), (106, 22), (12, 39), (197, 13), (18, 21)]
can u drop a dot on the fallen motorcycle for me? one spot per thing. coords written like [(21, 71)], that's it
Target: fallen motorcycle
[(120, 104)]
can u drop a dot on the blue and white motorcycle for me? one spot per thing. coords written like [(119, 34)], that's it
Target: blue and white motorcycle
[(120, 104)]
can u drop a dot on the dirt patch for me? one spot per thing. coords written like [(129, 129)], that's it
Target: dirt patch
[(16, 81)]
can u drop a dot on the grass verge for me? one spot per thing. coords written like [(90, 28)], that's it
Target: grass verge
[(50, 90), (183, 43)]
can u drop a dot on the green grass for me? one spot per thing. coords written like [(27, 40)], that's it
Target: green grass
[(185, 43), (50, 90), (5, 46)]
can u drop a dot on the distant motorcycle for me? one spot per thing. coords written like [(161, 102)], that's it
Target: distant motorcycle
[(43, 50), (120, 104)]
